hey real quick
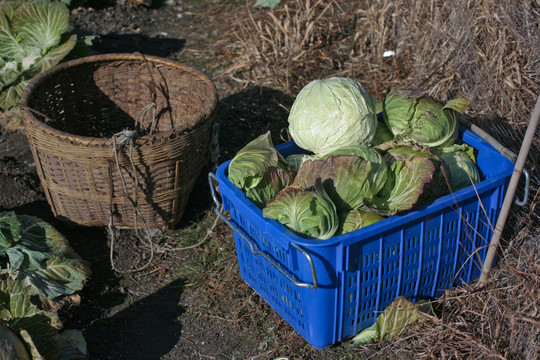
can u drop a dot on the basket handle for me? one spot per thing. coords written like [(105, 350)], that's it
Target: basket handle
[(253, 247)]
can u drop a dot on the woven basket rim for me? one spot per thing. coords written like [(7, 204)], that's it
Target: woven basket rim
[(28, 114)]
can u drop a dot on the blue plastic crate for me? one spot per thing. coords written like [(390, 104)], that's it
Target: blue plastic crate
[(332, 289)]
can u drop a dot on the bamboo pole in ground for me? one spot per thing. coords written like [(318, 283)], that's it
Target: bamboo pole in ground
[(509, 197)]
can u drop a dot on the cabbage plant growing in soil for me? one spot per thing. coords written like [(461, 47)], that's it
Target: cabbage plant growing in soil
[(33, 38), (39, 272)]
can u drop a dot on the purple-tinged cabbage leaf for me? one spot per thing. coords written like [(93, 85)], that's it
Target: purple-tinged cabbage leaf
[(407, 177), (345, 179), (273, 181)]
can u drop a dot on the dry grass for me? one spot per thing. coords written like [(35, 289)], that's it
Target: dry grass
[(497, 321)]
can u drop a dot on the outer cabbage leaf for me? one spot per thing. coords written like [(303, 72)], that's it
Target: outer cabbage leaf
[(72, 345), (11, 95), (38, 328), (249, 165), (331, 113), (309, 212), (40, 23), (414, 116), (355, 219), (404, 186), (460, 164), (345, 179), (32, 39), (363, 151), (273, 181), (38, 256), (382, 135), (437, 186), (295, 161), (367, 336), (393, 321), (377, 176), (9, 45), (11, 346), (54, 56), (10, 231)]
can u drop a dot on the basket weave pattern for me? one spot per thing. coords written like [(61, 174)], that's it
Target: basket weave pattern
[(71, 114)]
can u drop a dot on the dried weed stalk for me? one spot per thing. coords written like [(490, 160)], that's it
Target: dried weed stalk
[(278, 46)]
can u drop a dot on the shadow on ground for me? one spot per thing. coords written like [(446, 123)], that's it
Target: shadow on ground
[(245, 115), (146, 329), (157, 46)]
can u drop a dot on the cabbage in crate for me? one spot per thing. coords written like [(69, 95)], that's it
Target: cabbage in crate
[(411, 115), (332, 113), (348, 180), (460, 164), (260, 170)]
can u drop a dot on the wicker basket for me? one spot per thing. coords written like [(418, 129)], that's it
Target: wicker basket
[(73, 114)]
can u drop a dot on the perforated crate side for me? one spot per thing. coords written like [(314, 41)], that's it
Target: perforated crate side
[(416, 255)]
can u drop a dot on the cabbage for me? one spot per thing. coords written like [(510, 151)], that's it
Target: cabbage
[(37, 255), (249, 165), (413, 116), (272, 182), (408, 173), (355, 219), (345, 179), (331, 113), (305, 211), (32, 39), (11, 346), (377, 176), (382, 135), (433, 189), (460, 164), (39, 328)]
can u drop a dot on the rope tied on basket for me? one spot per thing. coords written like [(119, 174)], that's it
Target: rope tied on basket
[(120, 140), (142, 115)]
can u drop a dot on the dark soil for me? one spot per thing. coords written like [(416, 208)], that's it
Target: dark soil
[(164, 312)]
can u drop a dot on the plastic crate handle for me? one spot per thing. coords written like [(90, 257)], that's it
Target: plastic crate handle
[(212, 179), (526, 190)]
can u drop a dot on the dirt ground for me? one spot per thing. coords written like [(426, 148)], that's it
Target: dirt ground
[(159, 314)]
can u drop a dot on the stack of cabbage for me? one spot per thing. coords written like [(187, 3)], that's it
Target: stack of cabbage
[(355, 170)]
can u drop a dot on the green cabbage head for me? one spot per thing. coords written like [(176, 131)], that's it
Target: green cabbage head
[(307, 212), (460, 165), (355, 219), (331, 113), (248, 167), (413, 116)]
